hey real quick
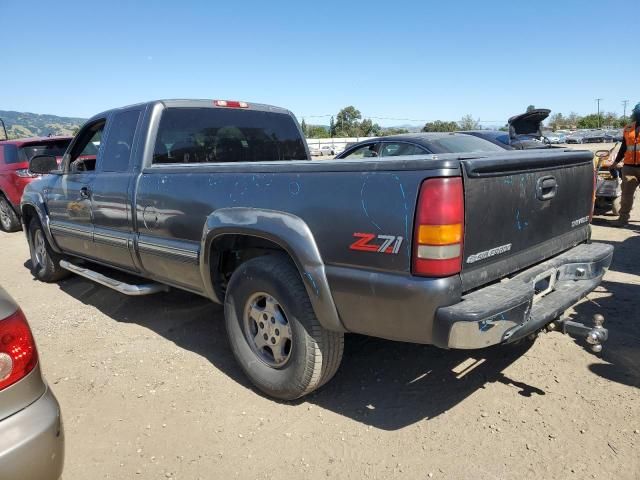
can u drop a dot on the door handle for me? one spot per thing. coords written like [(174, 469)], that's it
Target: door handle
[(84, 192), (546, 188)]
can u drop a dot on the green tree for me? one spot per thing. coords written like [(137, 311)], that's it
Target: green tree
[(556, 121), (303, 127), (531, 108), (589, 121), (440, 126), (317, 131), (367, 128), (572, 120), (469, 123), (347, 122)]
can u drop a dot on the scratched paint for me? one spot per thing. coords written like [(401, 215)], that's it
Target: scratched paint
[(520, 224), (313, 283)]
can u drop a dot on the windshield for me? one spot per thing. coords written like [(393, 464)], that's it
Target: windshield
[(462, 144), (55, 149), (195, 135)]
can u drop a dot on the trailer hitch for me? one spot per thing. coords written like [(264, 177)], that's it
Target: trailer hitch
[(595, 335)]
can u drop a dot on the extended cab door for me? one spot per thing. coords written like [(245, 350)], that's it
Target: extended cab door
[(69, 198), (112, 191)]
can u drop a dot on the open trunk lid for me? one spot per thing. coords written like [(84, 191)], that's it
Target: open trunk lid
[(523, 208), (529, 123)]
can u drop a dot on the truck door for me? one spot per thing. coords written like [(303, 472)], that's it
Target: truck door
[(112, 189), (68, 199)]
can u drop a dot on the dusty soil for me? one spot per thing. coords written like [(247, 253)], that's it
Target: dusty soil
[(149, 389)]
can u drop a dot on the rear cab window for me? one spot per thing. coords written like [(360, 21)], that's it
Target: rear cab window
[(224, 135)]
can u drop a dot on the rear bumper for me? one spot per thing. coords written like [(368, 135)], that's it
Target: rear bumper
[(507, 311), (32, 442)]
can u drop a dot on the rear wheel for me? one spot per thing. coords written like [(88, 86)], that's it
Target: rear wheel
[(9, 221), (273, 330), (45, 263)]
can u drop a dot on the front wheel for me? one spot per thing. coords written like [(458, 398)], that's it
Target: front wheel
[(45, 263), (273, 331)]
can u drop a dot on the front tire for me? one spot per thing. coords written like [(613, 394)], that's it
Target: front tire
[(45, 263), (9, 221), (273, 331)]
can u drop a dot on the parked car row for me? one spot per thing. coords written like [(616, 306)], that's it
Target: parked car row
[(594, 136)]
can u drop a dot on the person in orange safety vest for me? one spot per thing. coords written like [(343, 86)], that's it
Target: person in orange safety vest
[(628, 159)]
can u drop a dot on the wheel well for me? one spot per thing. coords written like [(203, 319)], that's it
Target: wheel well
[(28, 213), (228, 252)]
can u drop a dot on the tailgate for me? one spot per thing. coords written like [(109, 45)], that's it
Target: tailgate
[(523, 208)]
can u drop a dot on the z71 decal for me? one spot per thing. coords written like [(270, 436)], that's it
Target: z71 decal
[(370, 242)]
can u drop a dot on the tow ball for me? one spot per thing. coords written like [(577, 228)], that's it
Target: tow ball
[(595, 335)]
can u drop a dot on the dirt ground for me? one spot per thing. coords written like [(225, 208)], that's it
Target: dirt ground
[(149, 389)]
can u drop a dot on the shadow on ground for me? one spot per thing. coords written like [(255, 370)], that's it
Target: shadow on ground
[(620, 308), (381, 383)]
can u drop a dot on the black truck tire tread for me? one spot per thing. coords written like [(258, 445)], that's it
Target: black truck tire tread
[(323, 348)]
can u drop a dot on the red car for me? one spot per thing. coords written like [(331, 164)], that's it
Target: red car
[(15, 175)]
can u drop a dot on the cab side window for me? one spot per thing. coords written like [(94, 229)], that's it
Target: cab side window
[(84, 154), (365, 151), (119, 142)]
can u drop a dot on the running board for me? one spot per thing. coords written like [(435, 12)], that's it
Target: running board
[(124, 288)]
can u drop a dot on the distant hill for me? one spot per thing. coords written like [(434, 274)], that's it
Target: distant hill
[(23, 124)]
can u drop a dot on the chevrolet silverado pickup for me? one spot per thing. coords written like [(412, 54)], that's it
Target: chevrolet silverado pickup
[(222, 199)]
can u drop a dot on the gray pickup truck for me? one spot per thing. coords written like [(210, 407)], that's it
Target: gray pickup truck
[(221, 198)]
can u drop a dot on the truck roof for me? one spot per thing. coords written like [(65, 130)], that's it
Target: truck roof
[(196, 103)]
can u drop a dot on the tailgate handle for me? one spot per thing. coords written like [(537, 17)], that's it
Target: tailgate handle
[(546, 188)]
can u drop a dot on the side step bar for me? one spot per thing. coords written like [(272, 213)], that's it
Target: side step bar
[(124, 288)]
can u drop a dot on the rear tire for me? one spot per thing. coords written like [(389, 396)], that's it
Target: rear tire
[(45, 263), (273, 331), (9, 221)]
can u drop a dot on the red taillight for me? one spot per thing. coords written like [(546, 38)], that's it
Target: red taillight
[(439, 228), (18, 354), (230, 104)]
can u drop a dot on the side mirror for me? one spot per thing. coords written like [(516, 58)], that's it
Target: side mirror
[(43, 164)]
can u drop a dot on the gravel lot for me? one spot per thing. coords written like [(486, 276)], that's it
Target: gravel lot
[(149, 389)]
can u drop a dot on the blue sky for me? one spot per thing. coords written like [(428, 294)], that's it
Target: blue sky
[(421, 60)]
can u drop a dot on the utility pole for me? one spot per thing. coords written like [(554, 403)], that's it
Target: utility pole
[(624, 106), (598, 100)]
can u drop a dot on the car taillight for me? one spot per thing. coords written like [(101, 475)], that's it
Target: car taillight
[(439, 228), (18, 354), (230, 104)]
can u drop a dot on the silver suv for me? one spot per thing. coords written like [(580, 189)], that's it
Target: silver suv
[(31, 433)]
